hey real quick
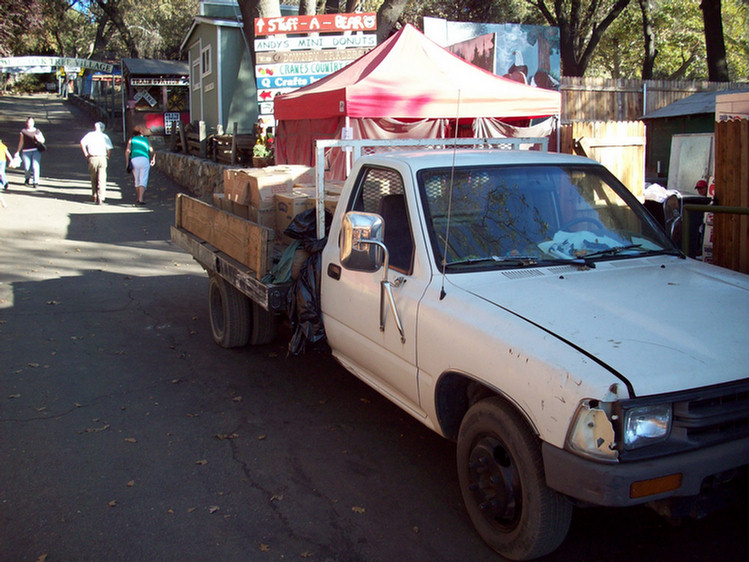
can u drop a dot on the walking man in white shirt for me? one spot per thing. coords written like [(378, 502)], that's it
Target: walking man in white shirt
[(97, 147)]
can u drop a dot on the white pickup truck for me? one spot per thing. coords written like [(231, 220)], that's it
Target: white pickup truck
[(526, 306)]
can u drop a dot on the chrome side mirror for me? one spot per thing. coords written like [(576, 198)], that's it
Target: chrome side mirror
[(361, 241)]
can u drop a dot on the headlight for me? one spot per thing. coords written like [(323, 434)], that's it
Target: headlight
[(646, 425)]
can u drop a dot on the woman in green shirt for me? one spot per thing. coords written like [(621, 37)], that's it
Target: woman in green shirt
[(142, 156)]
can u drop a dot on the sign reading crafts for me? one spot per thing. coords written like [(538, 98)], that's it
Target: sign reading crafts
[(321, 45)]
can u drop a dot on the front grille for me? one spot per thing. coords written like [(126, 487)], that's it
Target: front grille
[(715, 417), (701, 418)]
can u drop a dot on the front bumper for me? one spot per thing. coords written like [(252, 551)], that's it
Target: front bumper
[(607, 484)]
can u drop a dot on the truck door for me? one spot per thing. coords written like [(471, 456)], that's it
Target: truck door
[(351, 299)]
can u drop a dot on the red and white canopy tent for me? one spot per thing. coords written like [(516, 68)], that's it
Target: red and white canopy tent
[(407, 87)]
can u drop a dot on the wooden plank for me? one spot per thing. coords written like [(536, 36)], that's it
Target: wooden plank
[(238, 238)]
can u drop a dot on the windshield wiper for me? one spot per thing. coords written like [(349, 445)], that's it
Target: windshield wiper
[(517, 261), (611, 251)]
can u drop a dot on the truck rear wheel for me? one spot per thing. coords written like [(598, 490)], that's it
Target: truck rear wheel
[(263, 329), (229, 312), (501, 476)]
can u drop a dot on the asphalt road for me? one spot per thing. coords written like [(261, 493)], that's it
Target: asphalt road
[(126, 434)]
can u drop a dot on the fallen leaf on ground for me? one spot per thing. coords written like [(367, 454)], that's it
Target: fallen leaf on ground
[(222, 436), (131, 439), (202, 461), (112, 503), (357, 509), (96, 429), (213, 509), (14, 396), (131, 483), (264, 547), (259, 437), (42, 558), (276, 497)]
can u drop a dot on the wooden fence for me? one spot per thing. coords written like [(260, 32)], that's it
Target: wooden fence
[(600, 99), (620, 146), (224, 148), (731, 231)]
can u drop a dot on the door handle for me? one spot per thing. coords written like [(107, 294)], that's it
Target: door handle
[(334, 271)]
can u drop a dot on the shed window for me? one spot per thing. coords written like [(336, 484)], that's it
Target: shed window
[(205, 61)]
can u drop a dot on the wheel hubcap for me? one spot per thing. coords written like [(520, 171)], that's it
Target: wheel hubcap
[(495, 483)]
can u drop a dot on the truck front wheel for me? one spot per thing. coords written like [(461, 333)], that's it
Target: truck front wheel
[(501, 476), (229, 311)]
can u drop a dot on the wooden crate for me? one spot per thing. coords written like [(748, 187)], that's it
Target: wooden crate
[(238, 238)]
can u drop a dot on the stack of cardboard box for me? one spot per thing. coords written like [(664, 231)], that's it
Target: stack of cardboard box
[(273, 196)]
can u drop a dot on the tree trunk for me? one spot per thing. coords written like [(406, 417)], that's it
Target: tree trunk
[(648, 62), (573, 18), (387, 17), (112, 10), (307, 7), (717, 66)]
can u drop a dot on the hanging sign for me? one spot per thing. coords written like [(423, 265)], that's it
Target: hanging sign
[(302, 68), (319, 23), (321, 42), (273, 82), (274, 57)]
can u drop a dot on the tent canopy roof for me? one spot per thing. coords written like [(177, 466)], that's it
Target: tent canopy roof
[(411, 77)]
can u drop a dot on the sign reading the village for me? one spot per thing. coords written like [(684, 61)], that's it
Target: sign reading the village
[(21, 62), (316, 24)]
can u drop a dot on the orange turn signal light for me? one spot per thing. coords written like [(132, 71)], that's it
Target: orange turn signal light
[(644, 488)]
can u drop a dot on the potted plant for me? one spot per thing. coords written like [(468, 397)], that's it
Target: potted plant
[(262, 152)]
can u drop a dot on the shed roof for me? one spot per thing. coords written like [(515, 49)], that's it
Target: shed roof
[(214, 21), (696, 104), (152, 67)]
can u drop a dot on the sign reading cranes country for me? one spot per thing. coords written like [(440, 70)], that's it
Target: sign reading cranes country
[(283, 63), (323, 23), (295, 75)]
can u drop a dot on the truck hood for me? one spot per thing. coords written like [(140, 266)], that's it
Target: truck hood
[(662, 323)]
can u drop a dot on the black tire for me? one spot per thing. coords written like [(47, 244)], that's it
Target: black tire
[(263, 328), (501, 477), (229, 312)]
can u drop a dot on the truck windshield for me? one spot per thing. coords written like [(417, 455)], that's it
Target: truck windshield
[(512, 216)]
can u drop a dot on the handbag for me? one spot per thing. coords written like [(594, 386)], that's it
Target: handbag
[(40, 146), (129, 166)]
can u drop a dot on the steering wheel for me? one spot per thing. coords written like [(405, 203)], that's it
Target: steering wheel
[(579, 220)]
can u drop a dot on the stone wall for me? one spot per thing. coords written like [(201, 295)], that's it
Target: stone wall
[(200, 177)]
